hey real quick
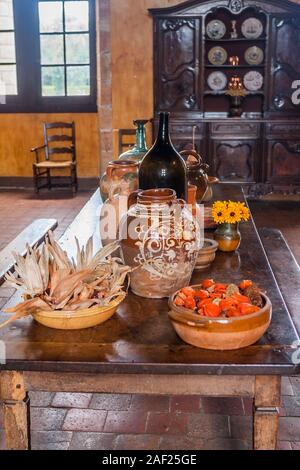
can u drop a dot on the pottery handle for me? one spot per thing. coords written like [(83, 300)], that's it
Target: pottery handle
[(132, 198), (110, 171)]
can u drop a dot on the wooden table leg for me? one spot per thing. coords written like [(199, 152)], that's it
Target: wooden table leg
[(266, 412), (15, 403)]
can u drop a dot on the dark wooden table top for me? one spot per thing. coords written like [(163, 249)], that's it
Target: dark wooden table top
[(140, 339)]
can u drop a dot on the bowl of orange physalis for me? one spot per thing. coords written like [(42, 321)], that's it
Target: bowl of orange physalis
[(220, 316)]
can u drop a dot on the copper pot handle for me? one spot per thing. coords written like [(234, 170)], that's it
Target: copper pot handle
[(186, 153)]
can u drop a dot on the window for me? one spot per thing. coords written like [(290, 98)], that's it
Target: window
[(8, 69), (49, 59)]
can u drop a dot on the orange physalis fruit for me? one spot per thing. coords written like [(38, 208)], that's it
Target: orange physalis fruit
[(244, 284), (207, 283)]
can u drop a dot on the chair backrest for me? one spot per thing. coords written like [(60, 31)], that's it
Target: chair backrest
[(126, 139), (60, 139)]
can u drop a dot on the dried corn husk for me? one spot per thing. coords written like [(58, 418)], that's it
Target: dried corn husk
[(51, 281)]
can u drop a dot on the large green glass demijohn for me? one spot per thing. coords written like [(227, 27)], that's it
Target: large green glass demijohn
[(140, 148)]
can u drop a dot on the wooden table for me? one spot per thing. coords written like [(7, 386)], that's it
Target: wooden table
[(138, 352)]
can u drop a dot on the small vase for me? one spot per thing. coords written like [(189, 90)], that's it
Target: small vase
[(229, 237)]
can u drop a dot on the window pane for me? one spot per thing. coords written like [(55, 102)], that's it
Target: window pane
[(78, 81), (7, 48), (77, 16), (6, 15), (53, 81), (78, 48), (8, 80), (52, 49), (51, 17)]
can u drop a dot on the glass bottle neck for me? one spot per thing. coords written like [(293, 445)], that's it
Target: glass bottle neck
[(163, 130), (141, 144)]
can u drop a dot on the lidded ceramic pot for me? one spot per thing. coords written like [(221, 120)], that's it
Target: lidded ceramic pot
[(160, 240)]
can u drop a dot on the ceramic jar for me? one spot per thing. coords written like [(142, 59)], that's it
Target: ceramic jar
[(196, 172), (119, 181), (121, 177), (160, 240)]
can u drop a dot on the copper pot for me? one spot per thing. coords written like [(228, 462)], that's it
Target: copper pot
[(196, 172)]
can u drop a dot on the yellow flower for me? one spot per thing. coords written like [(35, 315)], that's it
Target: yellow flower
[(219, 212), (245, 213), (233, 213), (230, 212)]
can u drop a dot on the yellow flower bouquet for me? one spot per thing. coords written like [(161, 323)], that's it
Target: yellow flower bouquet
[(228, 215), (228, 212)]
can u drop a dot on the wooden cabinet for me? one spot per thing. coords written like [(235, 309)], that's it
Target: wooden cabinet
[(284, 162), (178, 47), (285, 63), (234, 160), (262, 146)]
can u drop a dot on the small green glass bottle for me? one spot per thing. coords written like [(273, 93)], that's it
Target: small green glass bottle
[(140, 149)]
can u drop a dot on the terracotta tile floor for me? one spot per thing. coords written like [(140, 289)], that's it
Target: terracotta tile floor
[(122, 422)]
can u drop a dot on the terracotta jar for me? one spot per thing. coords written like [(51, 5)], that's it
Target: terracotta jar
[(121, 177), (160, 239), (196, 172), (119, 181)]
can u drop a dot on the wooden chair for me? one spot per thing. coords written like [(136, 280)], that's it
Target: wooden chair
[(53, 151), (126, 139)]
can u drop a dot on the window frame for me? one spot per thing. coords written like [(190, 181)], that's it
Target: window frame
[(15, 62), (29, 68)]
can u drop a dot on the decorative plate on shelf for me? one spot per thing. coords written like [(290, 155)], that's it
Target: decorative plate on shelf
[(217, 56), (253, 81), (252, 28), (254, 55), (217, 81), (216, 29)]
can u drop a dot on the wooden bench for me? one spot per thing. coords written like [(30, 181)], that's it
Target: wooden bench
[(33, 235), (285, 268)]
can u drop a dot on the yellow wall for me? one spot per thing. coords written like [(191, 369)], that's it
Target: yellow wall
[(132, 59), (132, 95), (20, 132)]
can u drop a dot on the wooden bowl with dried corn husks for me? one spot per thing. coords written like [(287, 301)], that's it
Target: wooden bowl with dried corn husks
[(67, 294)]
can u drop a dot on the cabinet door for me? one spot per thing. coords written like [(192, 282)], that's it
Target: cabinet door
[(177, 64), (234, 160), (285, 63), (284, 162)]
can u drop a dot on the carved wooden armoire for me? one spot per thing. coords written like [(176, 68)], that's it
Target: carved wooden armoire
[(262, 146)]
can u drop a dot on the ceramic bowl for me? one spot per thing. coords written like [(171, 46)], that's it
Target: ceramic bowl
[(80, 319), (220, 334), (206, 255)]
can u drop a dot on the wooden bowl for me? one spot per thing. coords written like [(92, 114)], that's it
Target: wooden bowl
[(206, 255), (220, 334), (79, 319)]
